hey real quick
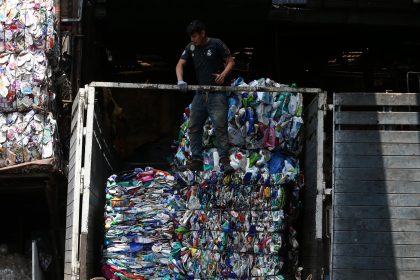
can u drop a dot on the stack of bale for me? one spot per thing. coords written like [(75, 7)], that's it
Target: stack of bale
[(241, 226), (27, 125)]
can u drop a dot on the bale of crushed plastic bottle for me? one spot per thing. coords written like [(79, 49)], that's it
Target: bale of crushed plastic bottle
[(141, 212), (241, 226)]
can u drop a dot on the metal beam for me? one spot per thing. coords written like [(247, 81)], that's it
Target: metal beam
[(282, 88), (362, 17)]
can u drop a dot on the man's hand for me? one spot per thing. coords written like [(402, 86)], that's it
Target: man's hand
[(182, 86), (220, 78)]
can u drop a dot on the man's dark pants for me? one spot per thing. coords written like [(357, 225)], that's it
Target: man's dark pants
[(215, 106)]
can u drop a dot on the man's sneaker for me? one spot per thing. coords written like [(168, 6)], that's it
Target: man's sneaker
[(193, 165), (227, 168)]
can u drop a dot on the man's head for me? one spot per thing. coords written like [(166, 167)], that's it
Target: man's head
[(197, 31)]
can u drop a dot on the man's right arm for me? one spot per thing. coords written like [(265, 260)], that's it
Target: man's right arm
[(180, 69)]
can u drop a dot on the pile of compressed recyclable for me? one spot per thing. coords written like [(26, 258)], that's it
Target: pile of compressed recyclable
[(241, 226), (27, 25), (24, 81), (208, 225), (26, 137), (27, 37), (141, 212)]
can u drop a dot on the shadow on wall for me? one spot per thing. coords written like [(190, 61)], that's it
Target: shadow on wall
[(376, 192)]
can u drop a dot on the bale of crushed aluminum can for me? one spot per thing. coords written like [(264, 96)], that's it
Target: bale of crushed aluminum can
[(26, 137)]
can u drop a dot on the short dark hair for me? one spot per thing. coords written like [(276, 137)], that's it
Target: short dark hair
[(195, 26)]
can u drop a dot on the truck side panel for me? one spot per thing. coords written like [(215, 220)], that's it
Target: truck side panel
[(74, 186), (97, 168), (376, 209)]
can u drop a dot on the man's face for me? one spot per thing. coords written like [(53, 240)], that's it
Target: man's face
[(198, 38)]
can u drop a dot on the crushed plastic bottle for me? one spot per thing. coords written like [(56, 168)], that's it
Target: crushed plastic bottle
[(142, 208), (240, 226), (205, 225)]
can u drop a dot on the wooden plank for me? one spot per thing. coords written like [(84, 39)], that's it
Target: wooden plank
[(202, 87), (377, 174), (369, 136), (75, 104), (69, 231), (72, 231), (70, 193), (73, 139), (359, 224), (69, 203), (83, 256), (396, 238), (377, 149), (87, 161), (377, 250), (67, 272), (67, 256), (67, 245), (389, 200), (363, 274), (74, 122), (319, 211), (377, 98), (368, 187), (346, 262), (377, 118), (69, 219), (71, 179), (70, 208), (380, 161), (376, 212)]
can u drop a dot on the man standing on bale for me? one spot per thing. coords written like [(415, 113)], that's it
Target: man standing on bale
[(212, 63)]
